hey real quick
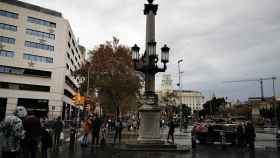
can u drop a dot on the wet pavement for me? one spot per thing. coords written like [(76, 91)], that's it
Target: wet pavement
[(265, 148), (214, 151)]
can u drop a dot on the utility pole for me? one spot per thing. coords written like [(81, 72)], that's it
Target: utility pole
[(275, 103), (180, 89)]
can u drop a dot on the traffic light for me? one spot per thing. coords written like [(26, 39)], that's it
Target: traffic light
[(78, 99), (75, 98)]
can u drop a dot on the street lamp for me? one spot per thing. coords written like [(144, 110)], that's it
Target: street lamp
[(150, 112), (180, 89)]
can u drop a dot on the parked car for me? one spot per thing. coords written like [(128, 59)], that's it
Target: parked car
[(210, 131)]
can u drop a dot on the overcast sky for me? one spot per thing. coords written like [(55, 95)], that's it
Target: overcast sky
[(218, 40)]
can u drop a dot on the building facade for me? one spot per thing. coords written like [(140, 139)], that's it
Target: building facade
[(38, 55), (166, 83), (192, 99)]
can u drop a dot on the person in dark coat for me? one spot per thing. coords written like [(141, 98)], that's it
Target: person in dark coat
[(46, 141), (250, 135), (118, 130), (240, 135), (33, 132), (57, 129), (171, 131), (96, 125)]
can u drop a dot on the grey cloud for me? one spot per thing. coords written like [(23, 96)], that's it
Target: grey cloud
[(219, 40)]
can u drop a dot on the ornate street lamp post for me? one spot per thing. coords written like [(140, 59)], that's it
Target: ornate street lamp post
[(150, 112)]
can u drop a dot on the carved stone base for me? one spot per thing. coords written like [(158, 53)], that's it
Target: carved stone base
[(149, 132)]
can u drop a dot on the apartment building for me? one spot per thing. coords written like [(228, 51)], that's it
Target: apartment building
[(38, 54)]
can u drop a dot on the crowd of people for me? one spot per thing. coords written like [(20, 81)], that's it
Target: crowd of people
[(96, 126), (21, 134)]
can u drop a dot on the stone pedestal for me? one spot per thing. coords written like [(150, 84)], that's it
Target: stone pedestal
[(149, 132)]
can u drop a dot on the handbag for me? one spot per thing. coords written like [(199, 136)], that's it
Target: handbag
[(61, 136), (83, 141)]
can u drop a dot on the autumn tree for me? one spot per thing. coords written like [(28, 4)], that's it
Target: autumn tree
[(110, 74)]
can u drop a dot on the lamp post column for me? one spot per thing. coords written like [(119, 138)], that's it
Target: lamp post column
[(149, 132)]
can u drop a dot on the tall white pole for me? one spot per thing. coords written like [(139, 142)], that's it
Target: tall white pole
[(181, 97)]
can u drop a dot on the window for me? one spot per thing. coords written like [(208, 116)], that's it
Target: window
[(69, 46), (69, 34), (29, 87), (37, 58), (68, 94), (39, 46), (72, 62), (8, 14), (73, 43), (6, 53), (73, 53), (41, 22), (8, 27), (8, 40), (70, 83), (40, 34), (25, 72), (68, 55)]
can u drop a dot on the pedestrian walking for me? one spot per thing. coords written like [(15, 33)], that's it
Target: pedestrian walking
[(103, 135), (11, 133), (250, 134), (193, 137), (240, 135), (87, 127), (57, 129), (33, 132), (46, 141), (118, 130), (134, 123), (171, 131), (96, 125)]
